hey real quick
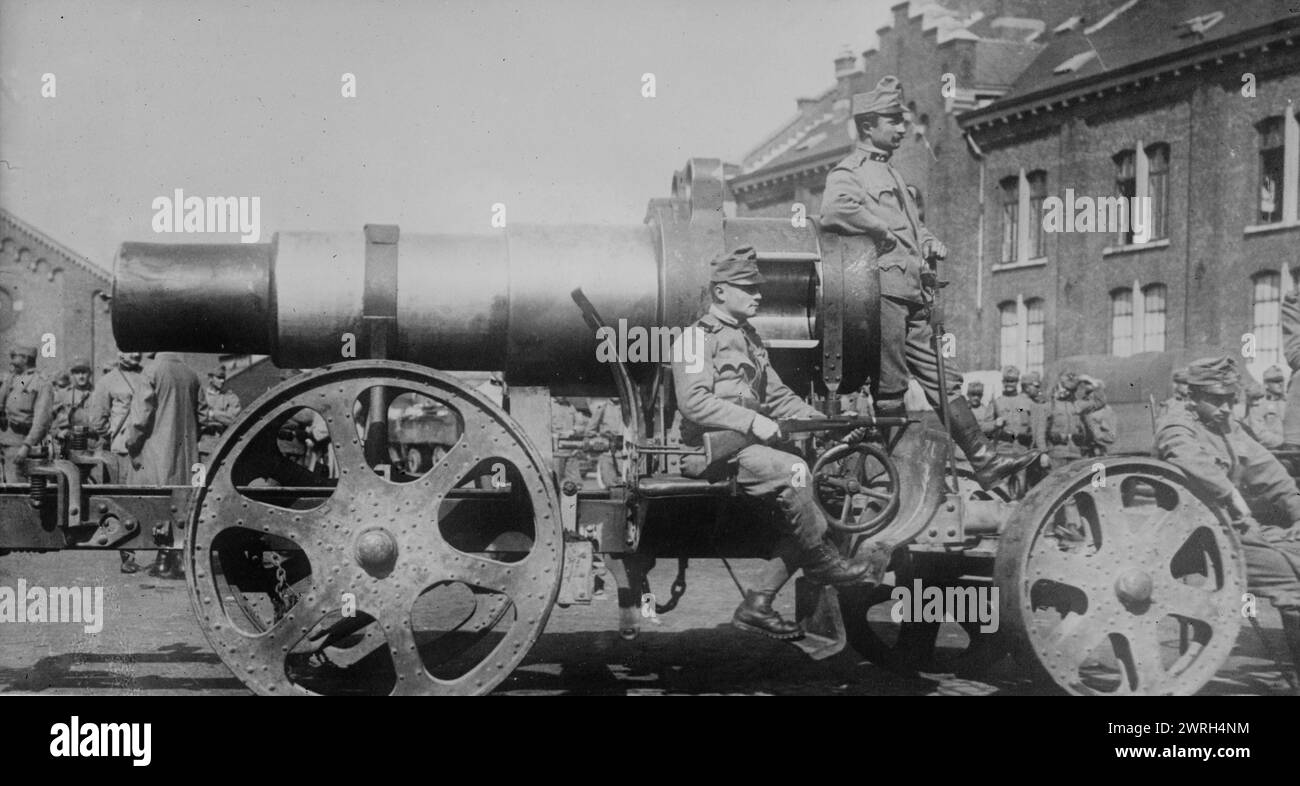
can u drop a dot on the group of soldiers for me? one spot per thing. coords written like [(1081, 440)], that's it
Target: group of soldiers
[(143, 419), (1072, 422), (736, 389)]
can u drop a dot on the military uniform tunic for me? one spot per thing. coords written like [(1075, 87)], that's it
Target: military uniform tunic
[(723, 379), (865, 195), (28, 409), (1264, 422), (1018, 412), (1220, 462)]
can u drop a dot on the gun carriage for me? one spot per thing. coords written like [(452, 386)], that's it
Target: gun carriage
[(401, 577)]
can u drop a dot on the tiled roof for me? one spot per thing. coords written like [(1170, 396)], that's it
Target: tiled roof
[(1142, 30)]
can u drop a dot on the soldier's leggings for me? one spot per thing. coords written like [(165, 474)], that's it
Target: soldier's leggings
[(1272, 565), (767, 471)]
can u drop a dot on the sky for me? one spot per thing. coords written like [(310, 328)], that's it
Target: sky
[(459, 106)]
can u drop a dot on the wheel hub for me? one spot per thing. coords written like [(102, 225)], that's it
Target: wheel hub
[(376, 551), (1133, 587)]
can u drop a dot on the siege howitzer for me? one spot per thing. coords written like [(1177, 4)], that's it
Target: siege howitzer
[(438, 580)]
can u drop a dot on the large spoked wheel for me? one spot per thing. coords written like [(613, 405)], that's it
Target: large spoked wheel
[(381, 581), (1121, 582), (856, 486), (884, 628)]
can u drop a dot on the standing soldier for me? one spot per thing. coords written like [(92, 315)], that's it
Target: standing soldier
[(1031, 385), (604, 429), (1099, 423), (1010, 420), (866, 196), (975, 397), (1062, 432), (1265, 415), (110, 407), (72, 405), (736, 389), (27, 402), (218, 409), (1245, 480), (163, 434)]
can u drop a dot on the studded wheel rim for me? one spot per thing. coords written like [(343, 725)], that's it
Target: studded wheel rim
[(1121, 582), (380, 545)]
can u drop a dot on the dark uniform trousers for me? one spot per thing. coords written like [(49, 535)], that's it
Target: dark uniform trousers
[(905, 350)]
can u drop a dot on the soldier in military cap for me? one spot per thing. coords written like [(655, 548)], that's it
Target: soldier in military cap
[(1010, 419), (72, 404), (1099, 421), (1265, 414), (218, 409), (1031, 385), (1202, 438), (866, 196), (733, 387), (1062, 432), (27, 401), (975, 397)]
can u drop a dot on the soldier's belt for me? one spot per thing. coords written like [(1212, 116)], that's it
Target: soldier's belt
[(1023, 439)]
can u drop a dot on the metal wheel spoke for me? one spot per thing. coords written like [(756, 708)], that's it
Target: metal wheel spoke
[(1144, 659), (1162, 535), (1185, 600), (1074, 639), (880, 495), (413, 679), (847, 509), (1075, 567)]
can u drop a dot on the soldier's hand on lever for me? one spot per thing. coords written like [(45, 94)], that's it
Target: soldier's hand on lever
[(765, 428), (934, 249)]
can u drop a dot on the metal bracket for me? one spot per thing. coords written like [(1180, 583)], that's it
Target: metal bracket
[(832, 326), (379, 301), (68, 477)]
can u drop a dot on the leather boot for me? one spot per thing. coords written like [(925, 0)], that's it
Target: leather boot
[(756, 615), (824, 565), (990, 468)]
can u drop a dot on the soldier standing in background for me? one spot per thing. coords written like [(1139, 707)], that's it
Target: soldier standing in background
[(1009, 421), (604, 428), (978, 406), (567, 423), (110, 407), (1202, 439), (72, 405), (1031, 385), (218, 409), (1266, 413), (1099, 423), (27, 401), (163, 434), (866, 196), (1062, 431)]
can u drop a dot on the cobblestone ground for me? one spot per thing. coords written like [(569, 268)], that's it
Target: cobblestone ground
[(151, 644)]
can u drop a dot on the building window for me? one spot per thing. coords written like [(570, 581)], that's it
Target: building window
[(1037, 193), (1121, 322), (1267, 318), (1142, 174), (1008, 334), (1010, 214), (1153, 318), (1158, 189), (1034, 335), (1272, 149)]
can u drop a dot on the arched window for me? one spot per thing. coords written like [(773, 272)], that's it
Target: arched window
[(1034, 335), (1008, 334), (1153, 318), (1266, 318)]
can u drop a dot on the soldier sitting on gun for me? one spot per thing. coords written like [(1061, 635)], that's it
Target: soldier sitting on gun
[(865, 196), (724, 382), (1202, 438)]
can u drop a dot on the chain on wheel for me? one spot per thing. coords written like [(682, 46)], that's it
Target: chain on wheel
[(375, 580), (1123, 581)]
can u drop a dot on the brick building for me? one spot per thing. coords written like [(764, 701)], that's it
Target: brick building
[(47, 289), (1150, 100), (1106, 98)]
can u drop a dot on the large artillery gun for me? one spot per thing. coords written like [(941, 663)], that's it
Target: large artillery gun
[(393, 578)]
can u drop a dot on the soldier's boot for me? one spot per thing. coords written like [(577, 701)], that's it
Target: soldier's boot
[(990, 467), (1291, 633), (824, 564), (756, 615)]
